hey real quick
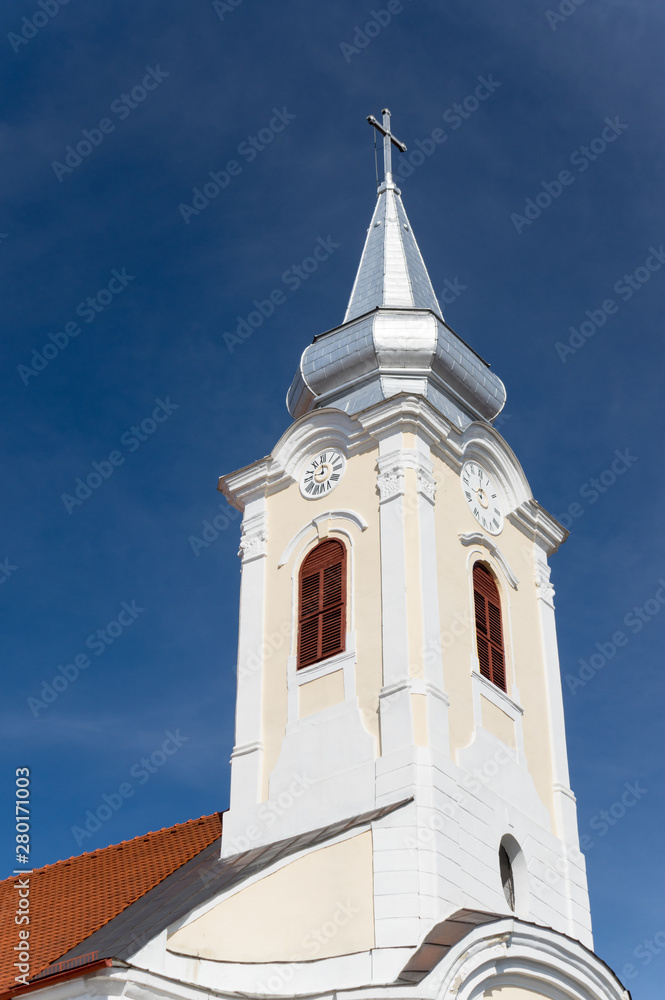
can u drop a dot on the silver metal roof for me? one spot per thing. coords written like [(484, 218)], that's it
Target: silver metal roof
[(392, 271), (393, 338), (393, 350)]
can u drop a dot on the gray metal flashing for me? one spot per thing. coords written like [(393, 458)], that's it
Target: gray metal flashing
[(438, 942), (201, 878), (438, 316)]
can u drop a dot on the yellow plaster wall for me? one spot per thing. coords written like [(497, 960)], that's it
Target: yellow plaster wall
[(288, 512), (497, 722), (328, 893), (324, 692), (522, 638)]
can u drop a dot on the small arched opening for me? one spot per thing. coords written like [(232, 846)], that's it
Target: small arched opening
[(514, 875)]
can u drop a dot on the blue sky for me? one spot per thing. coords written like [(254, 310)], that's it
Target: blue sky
[(149, 352)]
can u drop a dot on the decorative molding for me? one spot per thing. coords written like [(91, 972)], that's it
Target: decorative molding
[(246, 748), (392, 468), (388, 690), (416, 685), (544, 588), (253, 544), (564, 790), (390, 484), (357, 433), (406, 413), (541, 959), (478, 538), (426, 485), (329, 515), (436, 692)]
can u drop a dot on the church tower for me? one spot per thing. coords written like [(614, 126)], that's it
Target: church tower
[(398, 674), (399, 721), (401, 824), (397, 635)]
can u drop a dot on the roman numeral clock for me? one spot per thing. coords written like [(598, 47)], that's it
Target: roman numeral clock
[(322, 474), (482, 497)]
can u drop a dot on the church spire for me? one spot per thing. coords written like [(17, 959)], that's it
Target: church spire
[(392, 272), (393, 338)]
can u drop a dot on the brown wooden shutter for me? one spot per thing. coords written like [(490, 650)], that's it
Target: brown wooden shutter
[(322, 611), (489, 631)]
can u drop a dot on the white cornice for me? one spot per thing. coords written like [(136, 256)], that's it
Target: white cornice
[(246, 484), (400, 413), (275, 472), (538, 525), (406, 413)]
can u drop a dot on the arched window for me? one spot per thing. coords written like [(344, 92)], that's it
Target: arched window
[(322, 603), (507, 876), (514, 875), (489, 631)]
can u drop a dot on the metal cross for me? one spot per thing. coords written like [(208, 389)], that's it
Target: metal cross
[(388, 138)]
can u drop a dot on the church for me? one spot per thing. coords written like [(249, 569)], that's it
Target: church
[(401, 823)]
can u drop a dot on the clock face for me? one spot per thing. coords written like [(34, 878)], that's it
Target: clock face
[(482, 496), (322, 474)]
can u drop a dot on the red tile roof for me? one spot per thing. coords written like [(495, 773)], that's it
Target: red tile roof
[(71, 899)]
